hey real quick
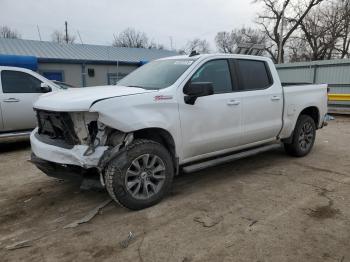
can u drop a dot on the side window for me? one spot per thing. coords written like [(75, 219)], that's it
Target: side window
[(216, 72), (254, 74), (19, 82)]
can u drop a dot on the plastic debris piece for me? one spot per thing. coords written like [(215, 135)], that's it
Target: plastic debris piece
[(20, 244), (125, 243), (89, 216)]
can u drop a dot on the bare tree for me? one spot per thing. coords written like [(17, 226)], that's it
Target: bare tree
[(200, 45), (131, 38), (227, 42), (324, 33), (321, 29), (344, 41), (7, 32), (294, 12), (298, 50), (59, 37), (154, 45)]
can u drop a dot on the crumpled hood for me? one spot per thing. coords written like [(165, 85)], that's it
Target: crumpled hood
[(80, 99)]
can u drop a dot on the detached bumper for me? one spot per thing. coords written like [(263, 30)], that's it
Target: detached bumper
[(74, 156)]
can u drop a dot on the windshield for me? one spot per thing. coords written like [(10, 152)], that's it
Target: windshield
[(63, 85), (157, 74), (56, 84)]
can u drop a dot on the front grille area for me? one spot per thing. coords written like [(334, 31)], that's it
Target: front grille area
[(56, 128)]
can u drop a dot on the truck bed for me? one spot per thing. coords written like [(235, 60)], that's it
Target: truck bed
[(298, 97)]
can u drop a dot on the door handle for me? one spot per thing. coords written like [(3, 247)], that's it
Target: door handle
[(233, 102), (275, 98), (11, 100)]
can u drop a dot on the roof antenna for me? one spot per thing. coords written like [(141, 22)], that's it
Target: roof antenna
[(193, 53)]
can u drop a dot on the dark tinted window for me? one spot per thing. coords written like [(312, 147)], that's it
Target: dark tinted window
[(254, 74), (216, 72), (19, 82)]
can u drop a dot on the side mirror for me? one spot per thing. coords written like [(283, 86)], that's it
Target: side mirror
[(197, 89), (45, 88)]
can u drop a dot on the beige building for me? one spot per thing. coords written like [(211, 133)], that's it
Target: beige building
[(76, 64)]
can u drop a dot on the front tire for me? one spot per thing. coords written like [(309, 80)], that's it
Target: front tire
[(141, 175), (303, 137)]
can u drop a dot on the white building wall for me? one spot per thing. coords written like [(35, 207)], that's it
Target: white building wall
[(102, 71), (72, 73)]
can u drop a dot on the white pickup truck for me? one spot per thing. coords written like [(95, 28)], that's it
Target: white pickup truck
[(19, 89), (178, 113)]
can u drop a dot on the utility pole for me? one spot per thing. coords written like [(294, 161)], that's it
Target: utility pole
[(171, 42), (80, 37), (280, 47), (37, 26), (66, 26)]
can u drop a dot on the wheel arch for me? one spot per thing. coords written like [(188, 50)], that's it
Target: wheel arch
[(163, 137), (313, 112)]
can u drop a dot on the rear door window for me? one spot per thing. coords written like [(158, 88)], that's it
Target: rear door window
[(19, 82), (254, 75)]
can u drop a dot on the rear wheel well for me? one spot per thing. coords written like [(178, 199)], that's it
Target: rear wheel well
[(313, 112), (161, 136)]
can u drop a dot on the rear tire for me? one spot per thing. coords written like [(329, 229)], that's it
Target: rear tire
[(303, 137), (141, 175)]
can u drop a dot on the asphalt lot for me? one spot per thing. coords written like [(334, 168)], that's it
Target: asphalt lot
[(269, 207)]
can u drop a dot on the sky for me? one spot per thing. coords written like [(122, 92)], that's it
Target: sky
[(98, 20)]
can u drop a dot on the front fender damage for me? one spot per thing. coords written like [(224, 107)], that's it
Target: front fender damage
[(97, 136), (111, 153)]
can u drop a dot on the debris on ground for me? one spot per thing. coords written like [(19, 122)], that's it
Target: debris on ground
[(58, 220), (251, 220), (125, 243), (208, 221), (89, 216), (253, 223), (20, 244), (28, 200), (329, 118)]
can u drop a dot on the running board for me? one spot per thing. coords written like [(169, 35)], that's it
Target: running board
[(15, 134), (229, 158)]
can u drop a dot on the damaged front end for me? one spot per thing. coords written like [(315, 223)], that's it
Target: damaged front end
[(75, 139)]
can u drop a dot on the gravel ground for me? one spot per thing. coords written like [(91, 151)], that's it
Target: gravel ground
[(269, 207)]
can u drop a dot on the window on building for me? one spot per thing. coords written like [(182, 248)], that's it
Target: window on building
[(19, 82), (254, 74), (113, 78), (216, 72), (53, 75)]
